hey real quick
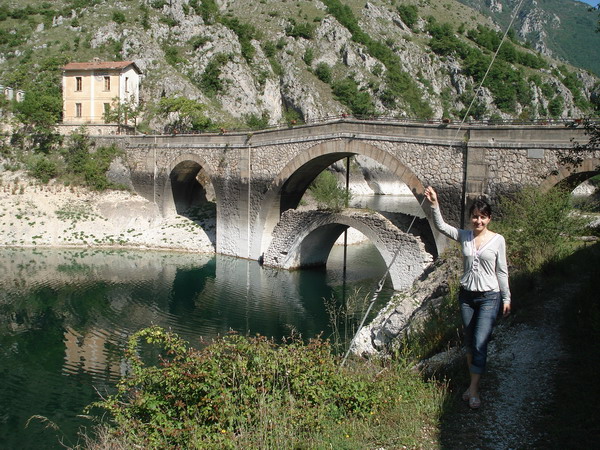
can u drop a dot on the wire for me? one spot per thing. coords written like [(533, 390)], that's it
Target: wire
[(387, 271), (378, 290), (514, 16)]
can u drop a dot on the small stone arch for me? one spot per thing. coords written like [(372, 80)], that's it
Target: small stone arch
[(288, 186), (182, 188), (305, 238)]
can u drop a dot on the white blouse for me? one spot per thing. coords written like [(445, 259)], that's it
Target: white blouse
[(485, 269)]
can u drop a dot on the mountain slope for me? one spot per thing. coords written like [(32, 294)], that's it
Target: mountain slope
[(254, 63), (561, 28)]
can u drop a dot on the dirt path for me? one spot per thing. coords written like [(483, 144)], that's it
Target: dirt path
[(518, 388)]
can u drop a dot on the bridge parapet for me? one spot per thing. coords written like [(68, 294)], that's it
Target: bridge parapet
[(305, 238)]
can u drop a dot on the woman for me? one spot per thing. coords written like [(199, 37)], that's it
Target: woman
[(483, 284)]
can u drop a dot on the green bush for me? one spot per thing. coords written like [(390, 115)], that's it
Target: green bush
[(409, 14), (303, 30), (96, 166), (555, 106), (401, 85), (539, 227), (256, 122), (245, 33), (328, 193), (184, 114), (210, 81), (348, 93), (118, 17), (309, 56), (43, 168), (323, 72), (89, 166), (198, 41), (196, 398)]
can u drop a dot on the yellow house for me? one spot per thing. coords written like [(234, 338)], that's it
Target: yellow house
[(89, 89)]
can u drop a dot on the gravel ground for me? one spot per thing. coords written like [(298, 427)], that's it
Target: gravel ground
[(524, 357)]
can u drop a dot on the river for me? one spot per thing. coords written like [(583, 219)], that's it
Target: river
[(65, 316)]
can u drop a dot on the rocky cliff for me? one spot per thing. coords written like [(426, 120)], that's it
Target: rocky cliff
[(258, 63)]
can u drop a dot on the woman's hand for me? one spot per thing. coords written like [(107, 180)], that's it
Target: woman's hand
[(505, 309), (431, 195)]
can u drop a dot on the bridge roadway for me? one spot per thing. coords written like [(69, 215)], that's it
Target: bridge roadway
[(256, 176)]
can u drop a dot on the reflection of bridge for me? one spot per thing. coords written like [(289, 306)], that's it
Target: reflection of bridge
[(257, 176)]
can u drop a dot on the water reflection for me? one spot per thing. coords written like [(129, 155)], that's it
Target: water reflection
[(65, 316)]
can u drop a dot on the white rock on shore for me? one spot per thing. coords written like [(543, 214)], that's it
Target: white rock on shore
[(59, 216)]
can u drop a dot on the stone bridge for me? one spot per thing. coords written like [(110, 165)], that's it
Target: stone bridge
[(305, 238), (255, 177)]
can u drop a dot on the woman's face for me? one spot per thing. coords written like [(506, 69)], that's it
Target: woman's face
[(479, 221)]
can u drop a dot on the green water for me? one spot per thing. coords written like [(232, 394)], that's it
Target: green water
[(65, 315)]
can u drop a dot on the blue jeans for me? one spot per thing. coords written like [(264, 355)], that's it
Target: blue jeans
[(479, 311)]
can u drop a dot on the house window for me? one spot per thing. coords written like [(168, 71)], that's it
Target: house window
[(126, 84), (77, 109), (78, 84), (107, 83)]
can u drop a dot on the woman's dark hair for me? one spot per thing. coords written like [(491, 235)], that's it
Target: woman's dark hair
[(481, 205)]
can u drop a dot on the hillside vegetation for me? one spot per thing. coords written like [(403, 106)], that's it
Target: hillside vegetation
[(562, 28), (252, 64)]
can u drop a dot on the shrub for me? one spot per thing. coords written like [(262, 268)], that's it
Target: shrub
[(118, 17), (309, 56), (88, 166), (328, 193), (256, 122), (303, 30), (43, 169), (172, 55), (245, 33), (400, 84), (96, 166), (555, 106), (409, 14), (183, 114), (539, 227), (323, 72), (191, 397), (210, 81), (198, 41), (359, 102)]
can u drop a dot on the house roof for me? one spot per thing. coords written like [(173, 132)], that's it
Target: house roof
[(101, 65)]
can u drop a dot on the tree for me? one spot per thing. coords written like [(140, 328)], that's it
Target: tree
[(183, 114), (39, 112), (328, 193), (122, 113)]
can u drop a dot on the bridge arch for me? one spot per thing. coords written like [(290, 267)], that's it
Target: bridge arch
[(288, 187), (188, 184), (305, 238), (572, 177)]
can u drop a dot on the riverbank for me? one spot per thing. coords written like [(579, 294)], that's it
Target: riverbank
[(54, 215)]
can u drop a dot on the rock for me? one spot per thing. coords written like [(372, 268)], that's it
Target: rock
[(407, 310)]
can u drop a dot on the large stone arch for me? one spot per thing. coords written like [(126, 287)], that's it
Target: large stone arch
[(181, 188), (289, 185), (305, 238), (572, 176)]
